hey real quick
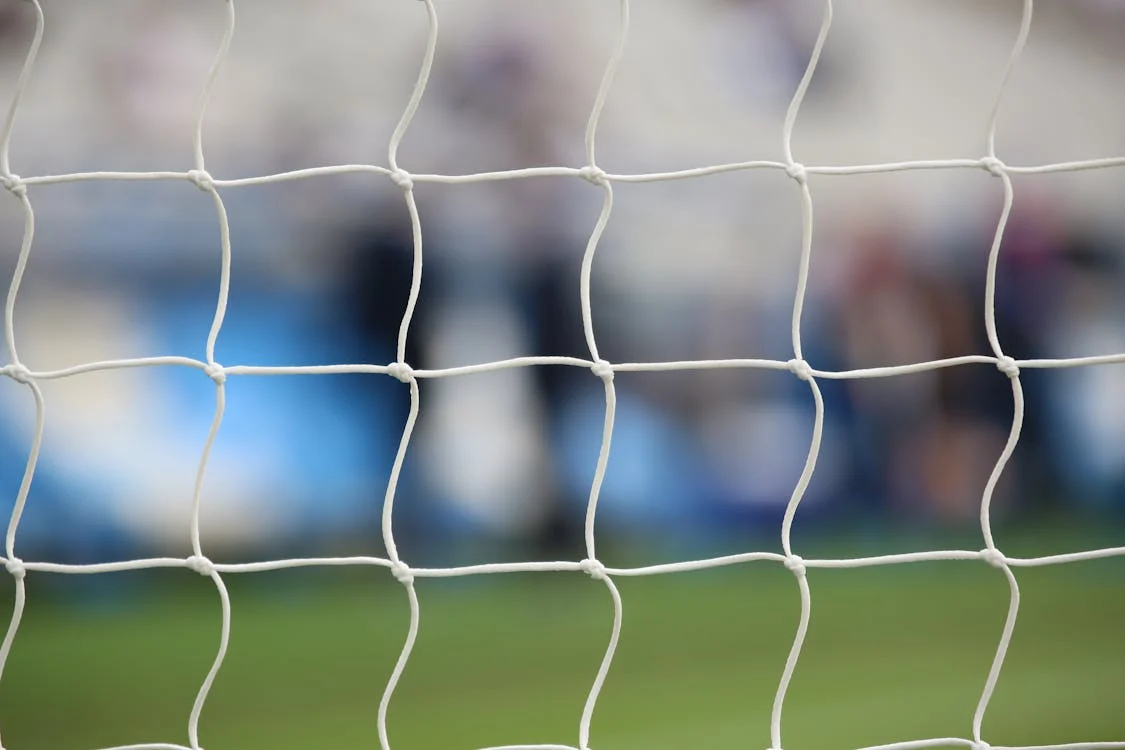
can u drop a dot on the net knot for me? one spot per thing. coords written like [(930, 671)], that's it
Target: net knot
[(993, 166), (216, 372), (797, 172), (602, 369), (201, 565), (594, 175), (1008, 366), (402, 178), (800, 368), (993, 557), (796, 565), (594, 569), (14, 184), (16, 568), (981, 745), (403, 372), (402, 572), (201, 178), (17, 372)]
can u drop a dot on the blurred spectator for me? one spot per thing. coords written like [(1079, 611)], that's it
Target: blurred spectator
[(1087, 404)]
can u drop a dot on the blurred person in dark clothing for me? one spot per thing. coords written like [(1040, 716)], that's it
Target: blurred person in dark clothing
[(931, 438), (509, 252)]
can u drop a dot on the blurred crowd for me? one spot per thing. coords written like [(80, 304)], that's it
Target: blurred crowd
[(322, 269)]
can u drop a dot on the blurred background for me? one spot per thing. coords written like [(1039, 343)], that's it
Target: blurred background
[(702, 463)]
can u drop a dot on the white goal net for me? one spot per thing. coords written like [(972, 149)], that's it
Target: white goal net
[(209, 176)]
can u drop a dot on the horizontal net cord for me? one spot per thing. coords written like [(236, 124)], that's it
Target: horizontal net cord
[(516, 174), (548, 566), (22, 374)]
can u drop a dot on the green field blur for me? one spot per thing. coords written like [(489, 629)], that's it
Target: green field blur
[(892, 654)]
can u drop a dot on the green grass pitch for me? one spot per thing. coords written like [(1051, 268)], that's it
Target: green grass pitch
[(892, 654)]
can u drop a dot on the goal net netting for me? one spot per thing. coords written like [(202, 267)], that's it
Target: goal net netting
[(204, 173)]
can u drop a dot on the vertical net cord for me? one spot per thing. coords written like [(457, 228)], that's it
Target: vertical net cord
[(199, 563), (604, 370), (15, 186), (801, 369), (1006, 365), (402, 369)]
